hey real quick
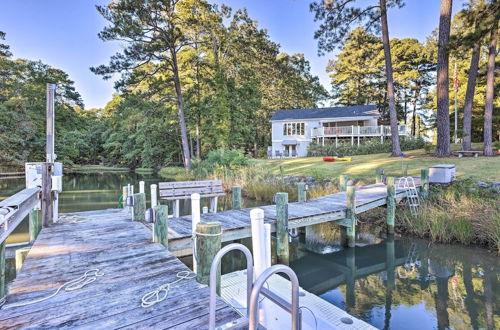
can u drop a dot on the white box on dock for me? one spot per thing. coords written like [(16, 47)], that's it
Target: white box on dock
[(442, 173)]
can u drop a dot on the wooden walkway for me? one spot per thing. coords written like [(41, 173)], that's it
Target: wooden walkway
[(132, 266), (236, 223)]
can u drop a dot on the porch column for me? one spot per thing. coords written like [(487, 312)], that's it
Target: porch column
[(359, 132), (336, 140), (381, 133), (352, 135)]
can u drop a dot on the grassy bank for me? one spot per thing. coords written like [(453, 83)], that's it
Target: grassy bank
[(95, 168)]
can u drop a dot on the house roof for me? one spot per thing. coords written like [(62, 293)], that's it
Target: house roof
[(332, 112)]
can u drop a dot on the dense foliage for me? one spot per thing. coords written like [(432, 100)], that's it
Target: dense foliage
[(367, 147)]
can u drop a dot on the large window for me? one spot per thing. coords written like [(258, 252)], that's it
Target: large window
[(294, 129)]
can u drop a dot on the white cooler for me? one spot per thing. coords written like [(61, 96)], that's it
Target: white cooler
[(442, 173)]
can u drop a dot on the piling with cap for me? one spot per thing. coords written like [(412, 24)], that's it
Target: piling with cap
[(424, 183), (236, 197), (282, 249), (160, 226), (301, 192), (208, 243), (391, 204), (139, 207), (154, 195), (258, 240), (141, 187)]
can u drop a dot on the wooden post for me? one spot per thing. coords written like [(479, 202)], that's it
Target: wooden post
[(282, 249), (391, 204), (124, 196), (208, 243), (2, 271), (160, 226), (351, 215), (236, 198), (424, 183), (379, 175), (139, 208), (301, 191), (343, 182), (34, 224), (47, 212), (20, 257)]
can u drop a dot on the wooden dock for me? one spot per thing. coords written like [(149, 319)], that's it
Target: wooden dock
[(132, 266), (236, 223)]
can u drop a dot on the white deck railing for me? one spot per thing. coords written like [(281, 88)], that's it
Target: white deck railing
[(348, 131)]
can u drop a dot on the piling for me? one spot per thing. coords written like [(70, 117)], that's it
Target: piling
[(141, 187), (258, 240), (424, 183), (47, 205), (391, 204), (124, 196), (236, 197), (139, 208), (2, 270), (301, 192), (282, 249), (160, 226), (351, 215), (154, 195), (35, 224), (208, 243), (21, 255), (343, 182), (390, 253), (195, 219), (350, 296), (379, 175)]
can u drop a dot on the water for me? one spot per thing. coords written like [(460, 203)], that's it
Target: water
[(432, 286)]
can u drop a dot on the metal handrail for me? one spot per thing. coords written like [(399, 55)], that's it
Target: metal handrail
[(213, 278), (292, 308)]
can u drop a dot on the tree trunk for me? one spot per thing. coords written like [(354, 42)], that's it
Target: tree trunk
[(396, 149), (405, 107), (414, 115), (469, 96), (490, 91), (180, 105), (443, 97)]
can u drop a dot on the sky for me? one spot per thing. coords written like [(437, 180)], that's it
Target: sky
[(63, 34)]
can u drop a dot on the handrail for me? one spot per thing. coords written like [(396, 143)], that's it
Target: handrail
[(356, 131), (15, 208), (213, 278), (292, 308)]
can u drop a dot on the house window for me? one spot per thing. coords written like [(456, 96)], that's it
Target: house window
[(294, 129)]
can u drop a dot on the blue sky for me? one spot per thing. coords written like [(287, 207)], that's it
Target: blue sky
[(63, 34)]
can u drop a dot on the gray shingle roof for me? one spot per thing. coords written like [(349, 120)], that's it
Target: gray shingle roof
[(333, 112)]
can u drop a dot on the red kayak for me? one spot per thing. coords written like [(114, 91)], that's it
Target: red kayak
[(328, 159)]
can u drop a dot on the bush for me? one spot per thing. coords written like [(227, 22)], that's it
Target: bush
[(373, 146)]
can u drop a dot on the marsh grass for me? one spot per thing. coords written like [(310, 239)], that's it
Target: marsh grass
[(463, 213)]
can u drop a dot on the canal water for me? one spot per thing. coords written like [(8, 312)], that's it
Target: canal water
[(391, 284)]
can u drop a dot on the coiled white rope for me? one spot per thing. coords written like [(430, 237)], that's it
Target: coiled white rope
[(72, 285), (160, 293)]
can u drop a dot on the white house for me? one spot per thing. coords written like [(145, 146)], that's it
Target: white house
[(294, 130)]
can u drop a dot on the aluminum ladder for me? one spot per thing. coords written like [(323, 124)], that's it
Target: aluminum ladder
[(254, 290), (407, 184)]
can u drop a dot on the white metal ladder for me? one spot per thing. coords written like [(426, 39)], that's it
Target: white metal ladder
[(407, 184)]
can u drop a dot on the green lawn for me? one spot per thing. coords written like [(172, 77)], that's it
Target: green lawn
[(363, 167)]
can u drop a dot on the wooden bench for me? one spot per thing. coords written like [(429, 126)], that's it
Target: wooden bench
[(175, 191), (461, 153)]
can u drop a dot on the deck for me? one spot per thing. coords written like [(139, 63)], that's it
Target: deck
[(236, 223), (132, 265)]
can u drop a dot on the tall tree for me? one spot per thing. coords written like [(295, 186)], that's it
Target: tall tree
[(338, 18), (154, 33), (490, 86), (443, 100)]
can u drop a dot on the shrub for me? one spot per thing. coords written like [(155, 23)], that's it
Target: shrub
[(373, 146), (428, 148)]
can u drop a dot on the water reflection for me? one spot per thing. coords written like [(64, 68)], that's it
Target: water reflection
[(407, 284)]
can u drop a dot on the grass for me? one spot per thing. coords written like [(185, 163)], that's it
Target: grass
[(175, 174), (145, 170), (363, 167), (97, 168)]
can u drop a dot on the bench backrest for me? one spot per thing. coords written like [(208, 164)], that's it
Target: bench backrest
[(184, 189)]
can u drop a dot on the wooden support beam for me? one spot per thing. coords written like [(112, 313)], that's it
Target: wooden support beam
[(301, 192), (282, 249), (379, 175), (47, 205), (208, 243), (139, 208), (424, 183), (351, 215), (343, 182), (391, 204), (160, 226), (236, 197)]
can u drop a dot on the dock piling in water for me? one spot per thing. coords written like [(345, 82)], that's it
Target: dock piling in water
[(391, 204), (124, 196), (141, 187), (351, 215), (282, 249), (236, 197), (139, 208), (154, 195), (208, 243), (160, 226)]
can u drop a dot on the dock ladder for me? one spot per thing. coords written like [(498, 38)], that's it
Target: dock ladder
[(254, 290), (407, 184)]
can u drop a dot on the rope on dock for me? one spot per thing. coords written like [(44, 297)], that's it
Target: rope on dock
[(160, 293), (72, 285)]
